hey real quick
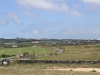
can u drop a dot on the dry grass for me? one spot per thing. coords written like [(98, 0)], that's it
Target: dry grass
[(29, 69), (83, 52)]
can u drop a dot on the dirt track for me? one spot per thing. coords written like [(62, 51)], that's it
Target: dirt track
[(77, 69)]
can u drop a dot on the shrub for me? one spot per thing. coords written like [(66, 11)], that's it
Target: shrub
[(94, 71), (13, 55), (5, 56)]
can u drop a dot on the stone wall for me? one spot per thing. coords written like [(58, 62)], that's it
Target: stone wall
[(59, 61)]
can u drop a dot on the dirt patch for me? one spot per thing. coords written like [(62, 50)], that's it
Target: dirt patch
[(77, 69)]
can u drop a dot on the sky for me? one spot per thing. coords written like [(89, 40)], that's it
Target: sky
[(53, 19)]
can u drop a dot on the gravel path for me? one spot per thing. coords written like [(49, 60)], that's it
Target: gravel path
[(60, 51)]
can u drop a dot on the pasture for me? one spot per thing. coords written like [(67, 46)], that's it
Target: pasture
[(81, 52), (17, 51)]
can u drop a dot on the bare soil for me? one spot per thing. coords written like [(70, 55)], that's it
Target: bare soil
[(77, 69)]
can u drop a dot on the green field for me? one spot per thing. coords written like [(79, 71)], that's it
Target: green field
[(17, 51)]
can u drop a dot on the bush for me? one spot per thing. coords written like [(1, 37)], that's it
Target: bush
[(13, 55), (94, 71), (26, 53), (5, 56)]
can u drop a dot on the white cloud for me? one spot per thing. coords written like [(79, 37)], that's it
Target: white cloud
[(96, 2), (76, 13), (76, 6), (92, 8), (14, 17), (77, 31), (65, 31), (45, 21), (35, 32), (96, 31), (51, 5), (44, 4), (57, 29), (3, 22), (92, 5), (28, 13)]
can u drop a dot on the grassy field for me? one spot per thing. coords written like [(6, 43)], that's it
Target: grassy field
[(17, 51), (83, 52), (29, 69)]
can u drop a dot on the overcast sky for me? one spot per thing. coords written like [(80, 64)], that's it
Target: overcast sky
[(61, 19)]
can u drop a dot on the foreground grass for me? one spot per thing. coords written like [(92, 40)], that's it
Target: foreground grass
[(36, 69)]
